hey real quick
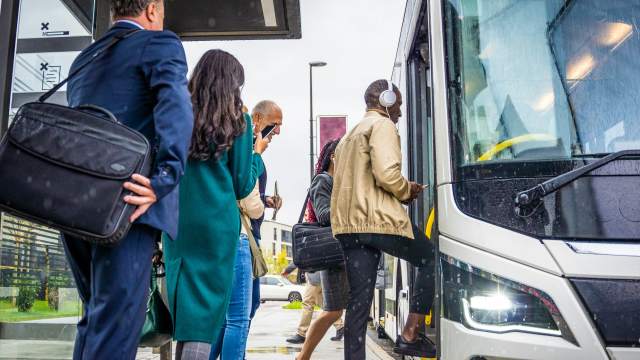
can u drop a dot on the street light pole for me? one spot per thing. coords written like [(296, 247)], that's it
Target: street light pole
[(311, 148)]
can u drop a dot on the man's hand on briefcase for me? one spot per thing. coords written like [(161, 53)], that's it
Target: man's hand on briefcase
[(143, 195)]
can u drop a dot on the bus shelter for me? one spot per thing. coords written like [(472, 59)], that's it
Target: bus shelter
[(39, 39)]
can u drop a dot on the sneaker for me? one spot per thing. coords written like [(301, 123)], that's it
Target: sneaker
[(296, 339), (421, 347), (339, 335)]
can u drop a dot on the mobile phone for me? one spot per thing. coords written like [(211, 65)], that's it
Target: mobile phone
[(267, 131)]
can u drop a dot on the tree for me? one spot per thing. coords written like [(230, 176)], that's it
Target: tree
[(277, 263), (281, 262)]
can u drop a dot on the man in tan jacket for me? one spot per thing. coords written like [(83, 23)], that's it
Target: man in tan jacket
[(368, 217)]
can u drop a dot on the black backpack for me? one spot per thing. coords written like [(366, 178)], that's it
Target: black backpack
[(65, 167)]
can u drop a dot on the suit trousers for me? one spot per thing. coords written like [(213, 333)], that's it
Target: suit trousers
[(113, 283)]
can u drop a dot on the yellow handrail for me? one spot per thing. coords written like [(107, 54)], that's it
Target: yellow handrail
[(514, 141)]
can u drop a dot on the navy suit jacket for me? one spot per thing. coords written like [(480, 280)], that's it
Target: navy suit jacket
[(143, 81)]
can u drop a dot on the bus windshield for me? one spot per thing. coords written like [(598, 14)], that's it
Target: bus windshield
[(542, 79)]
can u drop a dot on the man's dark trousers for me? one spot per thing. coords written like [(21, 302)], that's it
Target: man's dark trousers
[(256, 224), (142, 81), (113, 284), (362, 255)]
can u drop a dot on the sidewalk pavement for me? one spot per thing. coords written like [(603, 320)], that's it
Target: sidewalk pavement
[(273, 325), (269, 330)]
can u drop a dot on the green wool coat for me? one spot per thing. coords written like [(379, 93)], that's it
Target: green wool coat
[(199, 262)]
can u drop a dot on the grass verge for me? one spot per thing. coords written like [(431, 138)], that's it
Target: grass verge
[(296, 305), (40, 310)]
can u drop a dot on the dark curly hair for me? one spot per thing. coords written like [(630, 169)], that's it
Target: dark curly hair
[(324, 159), (215, 88)]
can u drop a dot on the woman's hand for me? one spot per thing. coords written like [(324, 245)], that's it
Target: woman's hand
[(261, 144)]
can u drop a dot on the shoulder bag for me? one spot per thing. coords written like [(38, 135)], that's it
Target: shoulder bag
[(258, 264), (158, 325), (314, 247), (65, 167)]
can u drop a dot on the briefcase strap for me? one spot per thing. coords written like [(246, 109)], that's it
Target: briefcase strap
[(116, 39)]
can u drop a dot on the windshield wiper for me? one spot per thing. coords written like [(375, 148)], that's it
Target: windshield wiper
[(529, 198)]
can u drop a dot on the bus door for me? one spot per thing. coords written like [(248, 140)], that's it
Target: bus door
[(420, 146)]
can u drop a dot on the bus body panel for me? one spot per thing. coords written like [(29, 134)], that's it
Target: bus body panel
[(557, 287), (600, 260), (491, 238), (461, 343), (624, 353), (440, 103)]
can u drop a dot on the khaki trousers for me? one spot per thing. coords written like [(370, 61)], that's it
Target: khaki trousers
[(312, 297)]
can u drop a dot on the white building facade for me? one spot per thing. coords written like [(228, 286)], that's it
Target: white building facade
[(275, 237)]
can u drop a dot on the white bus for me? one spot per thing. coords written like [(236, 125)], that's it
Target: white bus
[(507, 101)]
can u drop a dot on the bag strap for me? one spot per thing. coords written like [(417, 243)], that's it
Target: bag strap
[(304, 206), (116, 39), (306, 201), (255, 249)]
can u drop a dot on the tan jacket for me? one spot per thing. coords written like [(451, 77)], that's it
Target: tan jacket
[(251, 207), (368, 185)]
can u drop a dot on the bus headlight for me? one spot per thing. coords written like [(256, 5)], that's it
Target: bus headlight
[(487, 302)]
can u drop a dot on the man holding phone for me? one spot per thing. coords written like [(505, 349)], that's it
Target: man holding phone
[(267, 120), (368, 218)]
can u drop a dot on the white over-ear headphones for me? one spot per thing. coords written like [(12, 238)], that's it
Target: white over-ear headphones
[(388, 97)]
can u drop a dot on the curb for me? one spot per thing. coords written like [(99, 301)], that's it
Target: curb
[(377, 350)]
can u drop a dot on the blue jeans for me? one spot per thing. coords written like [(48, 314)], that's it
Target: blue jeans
[(233, 338), (255, 298)]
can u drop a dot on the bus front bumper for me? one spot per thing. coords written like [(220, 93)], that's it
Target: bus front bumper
[(462, 342)]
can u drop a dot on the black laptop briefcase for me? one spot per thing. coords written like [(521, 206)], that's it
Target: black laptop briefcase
[(65, 167), (314, 247)]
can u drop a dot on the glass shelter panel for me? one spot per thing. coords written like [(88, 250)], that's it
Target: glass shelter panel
[(39, 304)]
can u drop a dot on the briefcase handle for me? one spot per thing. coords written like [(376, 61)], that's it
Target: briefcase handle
[(99, 110)]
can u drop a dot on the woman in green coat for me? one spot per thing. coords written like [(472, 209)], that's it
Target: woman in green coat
[(222, 169)]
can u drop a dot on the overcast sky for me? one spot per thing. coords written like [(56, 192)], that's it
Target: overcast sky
[(358, 40)]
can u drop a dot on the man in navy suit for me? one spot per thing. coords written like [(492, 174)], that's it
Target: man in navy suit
[(142, 81)]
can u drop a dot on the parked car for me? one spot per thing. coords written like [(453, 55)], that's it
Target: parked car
[(276, 287)]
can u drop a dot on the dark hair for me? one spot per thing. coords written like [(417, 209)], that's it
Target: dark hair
[(372, 94), (129, 8), (324, 159), (217, 108)]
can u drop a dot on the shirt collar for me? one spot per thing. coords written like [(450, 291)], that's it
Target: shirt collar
[(376, 113), (131, 22)]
